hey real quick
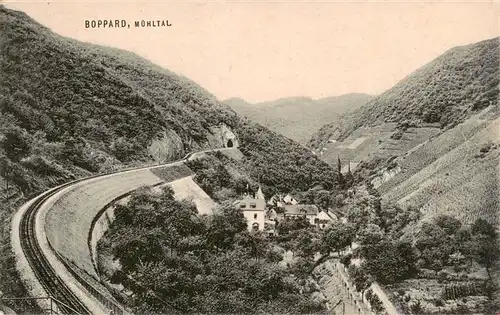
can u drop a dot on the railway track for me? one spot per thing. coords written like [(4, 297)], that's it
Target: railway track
[(65, 299)]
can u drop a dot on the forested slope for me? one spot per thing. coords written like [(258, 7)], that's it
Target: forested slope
[(444, 91), (70, 109), (75, 104)]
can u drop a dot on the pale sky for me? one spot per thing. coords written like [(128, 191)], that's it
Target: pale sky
[(267, 50)]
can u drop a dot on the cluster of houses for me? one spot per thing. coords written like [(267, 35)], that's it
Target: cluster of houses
[(264, 215)]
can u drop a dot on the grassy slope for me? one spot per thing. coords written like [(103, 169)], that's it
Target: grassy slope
[(299, 117), (77, 109), (450, 105)]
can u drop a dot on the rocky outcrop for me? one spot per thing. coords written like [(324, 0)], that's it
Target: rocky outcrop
[(223, 137), (167, 148)]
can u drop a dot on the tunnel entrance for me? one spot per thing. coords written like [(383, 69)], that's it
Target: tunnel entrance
[(229, 143)]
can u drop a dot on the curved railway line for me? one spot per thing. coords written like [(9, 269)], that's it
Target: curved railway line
[(66, 300)]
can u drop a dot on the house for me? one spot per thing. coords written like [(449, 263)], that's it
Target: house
[(289, 200), (310, 212), (280, 201), (254, 210), (324, 219), (271, 214)]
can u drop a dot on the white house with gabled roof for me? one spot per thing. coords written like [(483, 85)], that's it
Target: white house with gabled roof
[(254, 210)]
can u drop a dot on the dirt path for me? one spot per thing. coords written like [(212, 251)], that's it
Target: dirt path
[(337, 288), (389, 307)]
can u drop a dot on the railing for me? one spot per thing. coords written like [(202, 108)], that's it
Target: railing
[(114, 307), (52, 301)]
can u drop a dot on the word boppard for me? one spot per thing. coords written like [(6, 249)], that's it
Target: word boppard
[(125, 24)]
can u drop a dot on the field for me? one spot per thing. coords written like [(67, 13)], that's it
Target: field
[(443, 293), (436, 145), (368, 142), (452, 171)]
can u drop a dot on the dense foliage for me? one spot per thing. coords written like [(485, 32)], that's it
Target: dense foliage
[(394, 246), (446, 242), (463, 80), (173, 260), (280, 162), (73, 109), (224, 178)]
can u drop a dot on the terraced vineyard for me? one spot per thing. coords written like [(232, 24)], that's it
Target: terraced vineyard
[(435, 145), (462, 182), (368, 142), (456, 291)]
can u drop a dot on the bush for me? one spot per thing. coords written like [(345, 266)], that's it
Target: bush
[(376, 305), (346, 259), (438, 302), (416, 308)]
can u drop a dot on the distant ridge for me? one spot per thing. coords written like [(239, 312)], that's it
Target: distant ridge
[(297, 117)]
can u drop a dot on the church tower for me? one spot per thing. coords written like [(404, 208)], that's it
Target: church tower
[(259, 194)]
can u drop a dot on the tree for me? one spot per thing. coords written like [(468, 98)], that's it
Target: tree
[(389, 261), (375, 302), (349, 178), (362, 280), (481, 226), (292, 224), (448, 223), (224, 225), (337, 237), (6, 170), (485, 242), (371, 234), (21, 179), (323, 199), (435, 245), (256, 243), (302, 267), (340, 178), (305, 242), (16, 143)]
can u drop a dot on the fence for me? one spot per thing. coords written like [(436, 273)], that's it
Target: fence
[(52, 303)]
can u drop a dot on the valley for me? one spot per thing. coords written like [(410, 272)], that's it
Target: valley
[(298, 117), (127, 188)]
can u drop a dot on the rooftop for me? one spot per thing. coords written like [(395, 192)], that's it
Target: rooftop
[(301, 209), (251, 204)]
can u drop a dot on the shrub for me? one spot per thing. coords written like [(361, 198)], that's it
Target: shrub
[(416, 308)]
